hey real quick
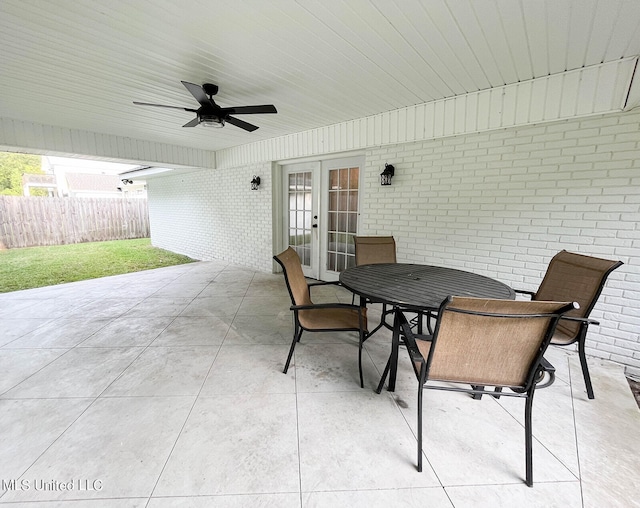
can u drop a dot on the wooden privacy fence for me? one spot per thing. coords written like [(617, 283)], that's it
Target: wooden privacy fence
[(31, 221)]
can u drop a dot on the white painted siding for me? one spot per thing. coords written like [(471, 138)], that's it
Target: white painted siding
[(583, 92), (46, 139)]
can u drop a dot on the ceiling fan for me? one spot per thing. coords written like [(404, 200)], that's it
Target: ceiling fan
[(210, 114)]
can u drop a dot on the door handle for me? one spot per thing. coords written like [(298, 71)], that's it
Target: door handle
[(314, 225)]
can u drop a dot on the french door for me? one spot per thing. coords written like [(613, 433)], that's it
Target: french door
[(322, 200)]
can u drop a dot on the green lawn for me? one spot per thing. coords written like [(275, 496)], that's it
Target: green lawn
[(45, 266)]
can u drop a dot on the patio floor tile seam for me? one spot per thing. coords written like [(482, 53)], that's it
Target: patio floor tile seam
[(46, 322), (184, 424), (34, 373), (54, 441), (143, 350), (114, 320), (537, 439), (575, 425), (569, 383), (298, 438)]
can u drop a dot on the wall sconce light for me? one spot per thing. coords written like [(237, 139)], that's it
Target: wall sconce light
[(255, 183), (126, 181), (387, 173)]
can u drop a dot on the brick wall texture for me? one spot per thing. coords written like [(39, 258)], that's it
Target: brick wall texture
[(214, 214), (499, 203)]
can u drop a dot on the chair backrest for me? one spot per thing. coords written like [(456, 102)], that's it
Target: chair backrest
[(576, 278), (488, 342), (372, 250), (294, 277)]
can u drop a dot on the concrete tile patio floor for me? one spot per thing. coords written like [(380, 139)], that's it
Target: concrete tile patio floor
[(164, 388)]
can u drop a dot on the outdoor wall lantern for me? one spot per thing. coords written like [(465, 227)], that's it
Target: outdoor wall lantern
[(255, 183), (387, 173)]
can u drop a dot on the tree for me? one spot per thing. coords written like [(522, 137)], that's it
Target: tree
[(12, 166)]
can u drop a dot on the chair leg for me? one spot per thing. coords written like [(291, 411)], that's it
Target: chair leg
[(296, 338), (384, 376), (583, 364), (360, 362), (420, 390), (362, 335), (477, 396), (429, 327), (375, 330), (382, 321), (529, 438)]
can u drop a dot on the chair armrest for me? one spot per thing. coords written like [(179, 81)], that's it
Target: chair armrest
[(587, 321), (326, 306), (546, 368), (525, 292), (412, 349), (323, 283), (410, 339)]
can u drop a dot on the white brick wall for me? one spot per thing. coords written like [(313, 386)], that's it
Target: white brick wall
[(502, 203), (214, 214)]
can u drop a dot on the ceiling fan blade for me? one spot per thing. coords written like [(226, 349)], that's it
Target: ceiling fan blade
[(164, 106), (192, 123), (198, 93), (241, 123), (249, 110)]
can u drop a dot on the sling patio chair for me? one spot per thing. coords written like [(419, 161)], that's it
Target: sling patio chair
[(373, 250), (577, 278), (482, 342), (322, 317)]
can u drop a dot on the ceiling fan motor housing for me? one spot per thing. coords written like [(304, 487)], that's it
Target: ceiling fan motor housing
[(210, 89)]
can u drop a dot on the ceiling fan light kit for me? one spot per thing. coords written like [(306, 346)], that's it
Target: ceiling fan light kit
[(209, 114), (211, 121)]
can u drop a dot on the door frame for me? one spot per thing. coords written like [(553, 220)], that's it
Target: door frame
[(279, 209), (326, 166), (315, 168)]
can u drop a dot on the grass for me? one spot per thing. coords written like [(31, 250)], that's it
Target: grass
[(35, 267)]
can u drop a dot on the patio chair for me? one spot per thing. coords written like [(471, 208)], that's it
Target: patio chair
[(373, 250), (322, 317), (578, 278), (482, 342)]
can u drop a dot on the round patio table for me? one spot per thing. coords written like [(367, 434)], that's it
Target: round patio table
[(419, 287)]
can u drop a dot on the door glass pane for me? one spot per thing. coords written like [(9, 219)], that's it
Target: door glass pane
[(343, 214), (333, 180), (353, 223), (300, 215)]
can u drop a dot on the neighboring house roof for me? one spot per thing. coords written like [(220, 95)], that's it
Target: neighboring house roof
[(92, 182)]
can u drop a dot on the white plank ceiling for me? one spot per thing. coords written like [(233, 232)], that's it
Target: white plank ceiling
[(79, 64)]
